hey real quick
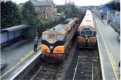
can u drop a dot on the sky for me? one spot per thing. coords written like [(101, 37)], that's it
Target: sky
[(77, 2)]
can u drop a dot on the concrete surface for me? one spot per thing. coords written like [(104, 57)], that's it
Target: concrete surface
[(110, 49), (16, 53)]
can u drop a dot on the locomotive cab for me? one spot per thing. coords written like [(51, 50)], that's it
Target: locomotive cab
[(86, 33), (56, 41), (52, 45)]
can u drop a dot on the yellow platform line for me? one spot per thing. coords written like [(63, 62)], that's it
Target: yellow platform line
[(116, 76), (21, 60)]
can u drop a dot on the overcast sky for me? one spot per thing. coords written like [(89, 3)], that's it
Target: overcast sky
[(77, 2)]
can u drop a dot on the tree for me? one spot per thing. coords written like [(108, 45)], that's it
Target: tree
[(70, 10), (29, 15), (60, 8), (9, 14)]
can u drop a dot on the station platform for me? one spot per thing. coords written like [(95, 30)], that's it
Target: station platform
[(109, 49), (16, 55)]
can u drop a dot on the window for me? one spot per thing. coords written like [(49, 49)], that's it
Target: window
[(51, 36), (86, 32), (59, 37), (46, 16), (44, 37), (46, 8)]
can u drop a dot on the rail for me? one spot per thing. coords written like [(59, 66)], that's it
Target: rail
[(87, 65), (76, 67), (92, 70), (47, 71)]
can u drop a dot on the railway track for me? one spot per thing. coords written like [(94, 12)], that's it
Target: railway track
[(87, 66), (51, 71), (47, 72)]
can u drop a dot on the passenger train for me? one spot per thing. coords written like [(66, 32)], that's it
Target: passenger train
[(86, 33), (56, 41)]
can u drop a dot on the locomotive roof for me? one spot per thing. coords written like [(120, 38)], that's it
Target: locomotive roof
[(88, 19), (61, 27)]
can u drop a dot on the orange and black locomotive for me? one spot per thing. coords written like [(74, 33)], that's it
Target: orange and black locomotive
[(55, 41)]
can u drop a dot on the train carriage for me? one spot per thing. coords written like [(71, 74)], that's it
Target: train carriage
[(86, 33), (55, 41)]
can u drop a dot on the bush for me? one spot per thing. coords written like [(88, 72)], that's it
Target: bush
[(48, 25)]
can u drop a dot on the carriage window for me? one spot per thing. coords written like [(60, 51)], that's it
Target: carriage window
[(59, 37), (86, 32), (51, 36), (44, 37)]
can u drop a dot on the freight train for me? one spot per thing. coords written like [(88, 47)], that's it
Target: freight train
[(86, 33), (56, 41)]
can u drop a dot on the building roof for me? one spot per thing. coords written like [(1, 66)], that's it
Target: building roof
[(14, 28), (105, 7), (63, 26), (114, 5), (42, 2)]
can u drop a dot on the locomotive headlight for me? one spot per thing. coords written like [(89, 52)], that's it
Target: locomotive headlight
[(45, 48), (59, 49), (51, 47), (86, 38)]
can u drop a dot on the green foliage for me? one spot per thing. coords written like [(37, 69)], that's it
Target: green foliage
[(70, 10), (31, 18), (60, 8), (9, 14), (49, 24), (29, 15)]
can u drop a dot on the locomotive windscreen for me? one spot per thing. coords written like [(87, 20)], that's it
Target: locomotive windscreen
[(44, 37), (59, 37), (86, 32), (51, 36)]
